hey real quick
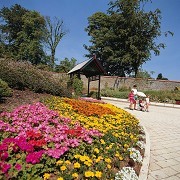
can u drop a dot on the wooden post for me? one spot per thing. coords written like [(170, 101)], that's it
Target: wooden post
[(99, 87), (88, 85)]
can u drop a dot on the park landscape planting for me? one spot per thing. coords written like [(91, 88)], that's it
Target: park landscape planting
[(46, 135), (62, 138)]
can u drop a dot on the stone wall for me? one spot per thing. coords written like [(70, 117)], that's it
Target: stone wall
[(142, 84), (118, 82)]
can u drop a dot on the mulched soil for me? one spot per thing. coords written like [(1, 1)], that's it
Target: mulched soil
[(20, 98)]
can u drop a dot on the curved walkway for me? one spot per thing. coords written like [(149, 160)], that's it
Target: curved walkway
[(163, 126)]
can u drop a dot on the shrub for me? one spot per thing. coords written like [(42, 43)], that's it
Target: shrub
[(77, 86), (5, 91), (155, 96), (114, 93), (163, 95), (21, 75)]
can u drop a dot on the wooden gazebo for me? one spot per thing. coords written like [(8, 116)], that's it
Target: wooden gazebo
[(92, 69)]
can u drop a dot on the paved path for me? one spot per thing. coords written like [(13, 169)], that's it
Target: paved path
[(163, 126)]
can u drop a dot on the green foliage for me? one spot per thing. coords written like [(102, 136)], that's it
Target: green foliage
[(22, 32), (160, 76), (23, 75), (123, 38), (162, 96), (116, 93), (77, 85), (66, 65), (143, 74), (5, 91)]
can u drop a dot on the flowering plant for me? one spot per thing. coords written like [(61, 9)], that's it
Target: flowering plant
[(64, 140)]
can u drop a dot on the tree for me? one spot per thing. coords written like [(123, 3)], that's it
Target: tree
[(54, 32), (143, 74), (160, 76), (22, 32), (30, 38), (124, 37), (66, 65), (10, 25)]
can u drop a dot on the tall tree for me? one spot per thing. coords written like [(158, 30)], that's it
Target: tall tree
[(30, 38), (10, 25), (125, 36), (54, 32), (23, 32)]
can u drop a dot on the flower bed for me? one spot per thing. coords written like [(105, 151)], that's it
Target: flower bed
[(68, 139)]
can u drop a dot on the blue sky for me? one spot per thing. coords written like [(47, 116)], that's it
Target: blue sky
[(74, 13)]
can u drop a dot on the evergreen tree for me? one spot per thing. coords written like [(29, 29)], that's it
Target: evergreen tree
[(22, 32)]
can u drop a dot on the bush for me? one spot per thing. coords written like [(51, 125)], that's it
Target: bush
[(155, 96), (77, 86), (114, 93), (163, 95), (21, 75), (5, 91)]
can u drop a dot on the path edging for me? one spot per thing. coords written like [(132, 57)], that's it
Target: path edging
[(146, 160)]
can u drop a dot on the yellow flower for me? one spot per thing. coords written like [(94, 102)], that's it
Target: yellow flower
[(102, 141), (89, 174), (46, 176), (82, 158), (74, 175), (77, 156), (77, 165), (59, 162), (93, 156), (108, 160), (109, 166), (131, 136), (126, 146), (96, 150), (87, 163), (67, 162), (98, 174), (60, 178), (63, 168), (99, 159)]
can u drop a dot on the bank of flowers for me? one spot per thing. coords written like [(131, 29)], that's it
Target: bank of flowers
[(66, 139)]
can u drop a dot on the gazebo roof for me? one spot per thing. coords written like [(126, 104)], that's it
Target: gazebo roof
[(89, 68)]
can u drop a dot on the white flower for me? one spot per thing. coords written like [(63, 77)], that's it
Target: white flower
[(135, 155), (142, 136), (126, 173), (140, 144)]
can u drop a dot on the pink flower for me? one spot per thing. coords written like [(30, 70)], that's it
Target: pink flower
[(3, 147), (4, 155), (56, 153), (5, 167), (18, 167), (73, 142), (34, 157)]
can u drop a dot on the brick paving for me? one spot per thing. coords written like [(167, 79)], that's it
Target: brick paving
[(163, 126)]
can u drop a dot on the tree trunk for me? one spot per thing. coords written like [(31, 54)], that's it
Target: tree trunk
[(52, 57)]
